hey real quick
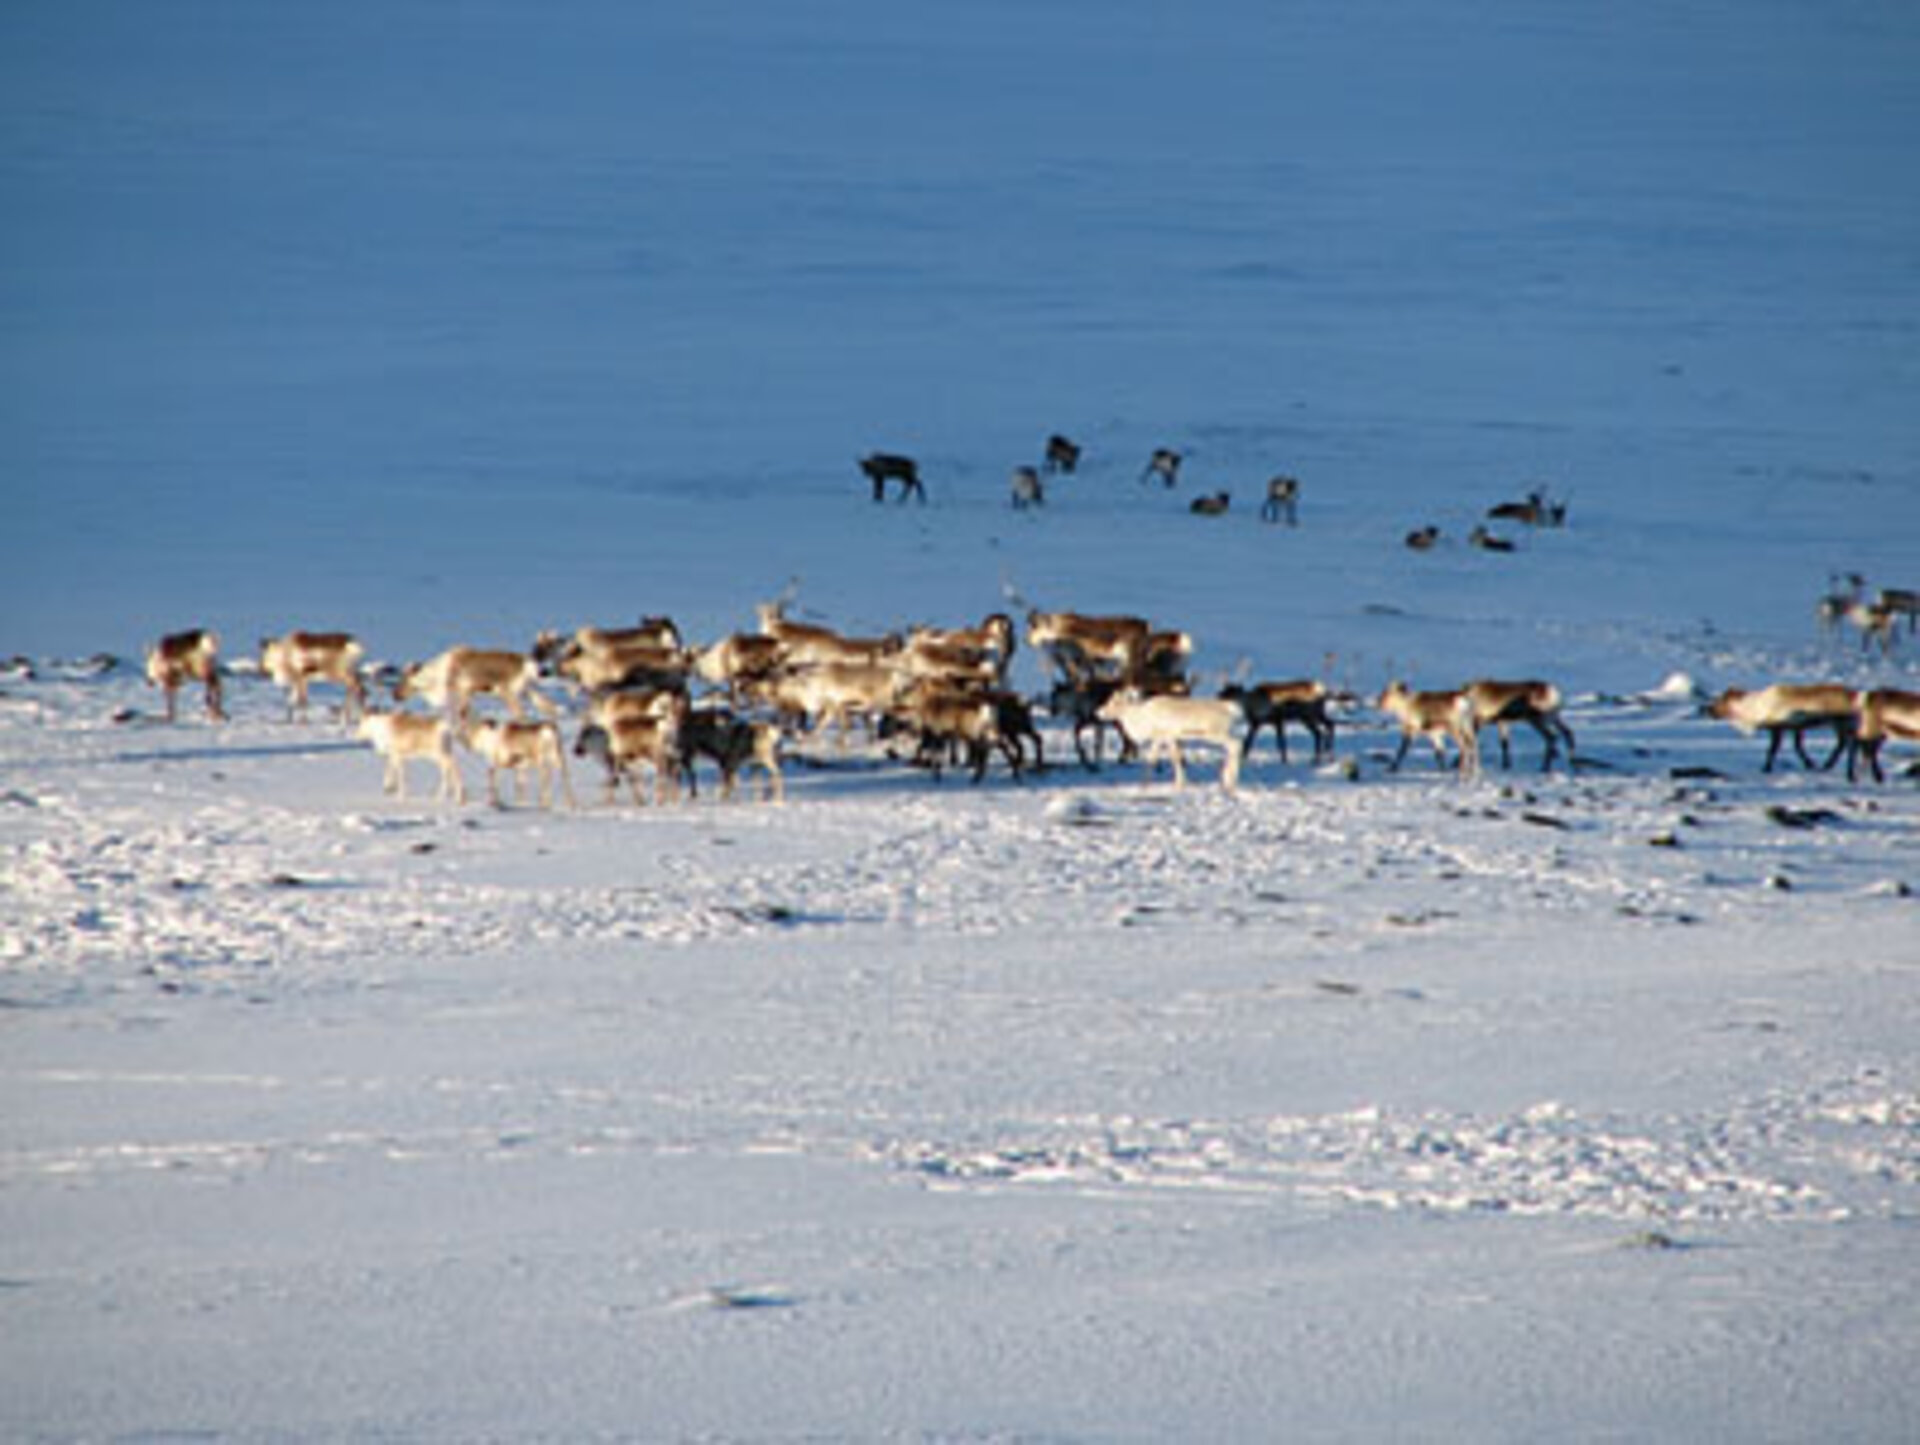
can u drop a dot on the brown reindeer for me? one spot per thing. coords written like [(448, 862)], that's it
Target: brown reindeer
[(181, 657)]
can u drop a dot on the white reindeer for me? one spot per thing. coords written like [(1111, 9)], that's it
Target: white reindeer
[(399, 737), (1162, 725)]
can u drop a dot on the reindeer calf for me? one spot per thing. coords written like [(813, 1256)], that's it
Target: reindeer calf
[(1440, 718), (521, 747), (399, 737)]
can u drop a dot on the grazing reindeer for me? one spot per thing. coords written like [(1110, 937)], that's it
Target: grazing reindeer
[(1275, 704), (884, 467), (1792, 708), (1880, 715), (625, 745), (1536, 511), (1062, 455), (948, 718), (1163, 464), (1162, 725), (1440, 718), (1027, 489), (457, 676), (520, 747), (1423, 539), (301, 658), (1537, 704), (1213, 505), (1283, 501), (181, 657), (731, 743), (400, 736)]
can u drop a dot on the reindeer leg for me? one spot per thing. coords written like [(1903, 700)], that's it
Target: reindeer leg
[(1406, 741), (1842, 735), (1774, 736)]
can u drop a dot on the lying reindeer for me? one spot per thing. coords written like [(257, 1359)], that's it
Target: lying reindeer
[(1163, 725), (181, 657), (520, 747), (1214, 504), (1790, 708), (1881, 715), (884, 467), (400, 736), (1536, 511), (1275, 704), (1537, 704), (1440, 718), (301, 658)]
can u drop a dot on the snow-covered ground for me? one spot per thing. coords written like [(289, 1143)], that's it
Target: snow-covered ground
[(1351, 1104)]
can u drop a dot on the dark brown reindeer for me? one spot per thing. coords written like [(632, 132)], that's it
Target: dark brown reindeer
[(1062, 455), (884, 467), (1164, 464), (1275, 704), (1213, 505)]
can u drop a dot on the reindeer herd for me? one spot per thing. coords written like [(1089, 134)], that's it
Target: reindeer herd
[(648, 708)]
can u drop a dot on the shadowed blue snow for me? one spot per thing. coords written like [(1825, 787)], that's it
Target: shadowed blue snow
[(446, 323)]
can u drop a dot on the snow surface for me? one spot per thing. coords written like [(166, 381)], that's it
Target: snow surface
[(1073, 1108)]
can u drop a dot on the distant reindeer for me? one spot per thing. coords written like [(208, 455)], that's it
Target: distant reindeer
[(1213, 505), (1027, 489), (1423, 539), (181, 657), (1283, 501), (884, 467), (1062, 455), (1164, 465), (1481, 538), (1901, 602), (1538, 510), (1843, 594)]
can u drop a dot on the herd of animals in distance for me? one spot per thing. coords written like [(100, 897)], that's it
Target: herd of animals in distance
[(649, 707)]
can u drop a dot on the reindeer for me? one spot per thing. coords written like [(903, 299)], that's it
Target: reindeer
[(1164, 464), (1275, 704), (1537, 704), (301, 658), (634, 664), (1080, 702), (1423, 539), (1162, 725), (1901, 602), (1880, 715), (945, 719), (1481, 538), (884, 467), (520, 747), (993, 637), (837, 693), (454, 678), (1062, 455), (731, 743), (804, 643), (401, 736), (551, 649), (1875, 620), (1785, 708), (1027, 490), (181, 657), (1072, 639), (1283, 501), (1440, 718), (625, 745), (739, 660), (1214, 504), (1843, 593), (1536, 511)]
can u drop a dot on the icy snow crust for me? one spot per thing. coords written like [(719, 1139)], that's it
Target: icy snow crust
[(1350, 1105)]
